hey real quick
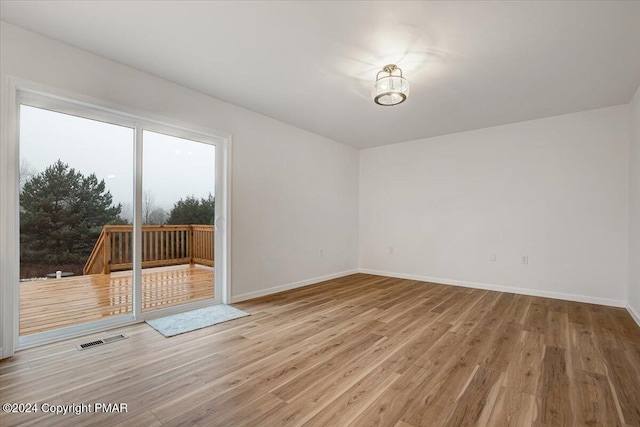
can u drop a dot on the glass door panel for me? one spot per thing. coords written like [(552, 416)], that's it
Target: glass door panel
[(178, 212), (76, 212)]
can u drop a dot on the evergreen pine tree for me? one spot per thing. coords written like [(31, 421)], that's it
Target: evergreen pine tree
[(193, 211), (62, 214)]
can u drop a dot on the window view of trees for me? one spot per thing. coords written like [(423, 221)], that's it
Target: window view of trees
[(189, 210), (152, 214), (193, 211), (77, 196), (62, 213)]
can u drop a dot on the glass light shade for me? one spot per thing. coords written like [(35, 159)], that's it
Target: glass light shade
[(390, 90)]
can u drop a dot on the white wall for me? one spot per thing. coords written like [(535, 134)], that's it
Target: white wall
[(554, 189), (293, 192), (634, 207)]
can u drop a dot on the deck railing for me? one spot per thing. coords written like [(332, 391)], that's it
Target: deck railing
[(162, 245)]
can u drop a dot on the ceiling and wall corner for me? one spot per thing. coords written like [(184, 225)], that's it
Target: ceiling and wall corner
[(471, 65)]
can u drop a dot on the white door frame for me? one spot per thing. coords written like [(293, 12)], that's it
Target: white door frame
[(15, 89)]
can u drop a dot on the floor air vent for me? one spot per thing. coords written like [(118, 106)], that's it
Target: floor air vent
[(103, 341)]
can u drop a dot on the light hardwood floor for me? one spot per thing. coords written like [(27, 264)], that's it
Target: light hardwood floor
[(361, 350)]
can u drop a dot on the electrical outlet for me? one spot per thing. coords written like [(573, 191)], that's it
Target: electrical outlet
[(492, 256), (524, 259), (321, 252)]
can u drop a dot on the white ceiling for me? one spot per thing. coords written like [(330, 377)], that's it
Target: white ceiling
[(311, 64)]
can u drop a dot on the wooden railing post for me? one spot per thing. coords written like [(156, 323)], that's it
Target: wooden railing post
[(190, 244), (107, 252)]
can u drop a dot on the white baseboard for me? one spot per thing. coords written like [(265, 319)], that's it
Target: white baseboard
[(633, 313), (477, 285), (501, 288), (288, 286)]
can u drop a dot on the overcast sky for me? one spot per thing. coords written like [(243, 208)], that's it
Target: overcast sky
[(173, 168)]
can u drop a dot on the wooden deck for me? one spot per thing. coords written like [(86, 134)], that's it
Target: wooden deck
[(57, 303)]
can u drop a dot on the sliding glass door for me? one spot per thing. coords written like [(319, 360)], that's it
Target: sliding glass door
[(117, 219), (178, 213), (76, 184)]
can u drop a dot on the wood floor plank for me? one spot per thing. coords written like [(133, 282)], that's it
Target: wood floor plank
[(442, 389), (360, 350), (553, 394), (607, 331), (500, 355), (523, 372), (460, 307), (578, 313), (512, 409), (595, 405), (586, 355), (309, 379), (477, 398), (385, 410), (536, 320), (518, 310), (344, 409), (402, 360), (557, 333), (626, 384)]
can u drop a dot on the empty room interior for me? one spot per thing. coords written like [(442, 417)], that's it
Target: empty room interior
[(320, 213)]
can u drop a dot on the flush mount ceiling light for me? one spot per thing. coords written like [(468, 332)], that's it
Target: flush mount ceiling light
[(392, 88)]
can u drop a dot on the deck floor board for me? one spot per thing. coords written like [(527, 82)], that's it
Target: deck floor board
[(57, 303)]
